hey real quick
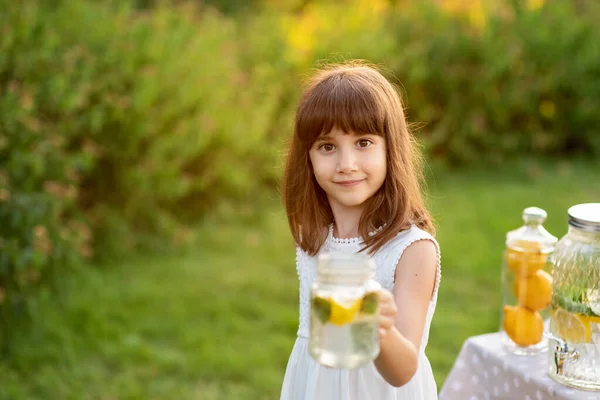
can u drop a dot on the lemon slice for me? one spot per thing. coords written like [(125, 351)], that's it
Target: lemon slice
[(573, 328), (343, 314), (589, 319)]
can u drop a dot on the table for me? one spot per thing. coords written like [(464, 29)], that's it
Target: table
[(485, 370)]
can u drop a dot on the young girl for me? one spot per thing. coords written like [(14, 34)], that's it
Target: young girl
[(351, 184)]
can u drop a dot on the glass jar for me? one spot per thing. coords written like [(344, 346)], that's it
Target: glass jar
[(527, 284), (344, 311), (574, 345)]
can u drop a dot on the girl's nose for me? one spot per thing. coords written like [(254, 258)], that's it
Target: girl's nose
[(346, 161)]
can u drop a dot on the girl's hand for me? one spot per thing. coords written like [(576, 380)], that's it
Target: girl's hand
[(387, 312)]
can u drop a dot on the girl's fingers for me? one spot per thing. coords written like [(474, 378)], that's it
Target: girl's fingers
[(388, 309), (385, 322), (385, 296), (387, 312), (385, 327)]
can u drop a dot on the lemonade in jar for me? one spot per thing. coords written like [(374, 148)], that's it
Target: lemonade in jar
[(527, 284), (574, 355), (344, 311)]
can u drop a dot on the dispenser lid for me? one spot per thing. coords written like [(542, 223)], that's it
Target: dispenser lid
[(585, 217)]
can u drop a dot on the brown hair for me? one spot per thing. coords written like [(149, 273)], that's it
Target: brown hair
[(353, 97)]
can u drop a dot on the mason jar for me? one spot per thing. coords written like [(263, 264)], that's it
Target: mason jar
[(574, 345), (527, 284), (344, 311)]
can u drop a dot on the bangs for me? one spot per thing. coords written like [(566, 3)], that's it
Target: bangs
[(344, 102)]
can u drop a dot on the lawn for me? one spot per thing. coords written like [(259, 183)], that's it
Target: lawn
[(218, 321)]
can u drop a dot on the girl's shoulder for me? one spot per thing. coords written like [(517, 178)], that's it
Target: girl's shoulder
[(388, 257), (408, 236)]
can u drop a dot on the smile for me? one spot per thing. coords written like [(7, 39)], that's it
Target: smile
[(349, 183)]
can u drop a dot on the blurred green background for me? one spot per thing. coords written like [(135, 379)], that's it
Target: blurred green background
[(144, 253)]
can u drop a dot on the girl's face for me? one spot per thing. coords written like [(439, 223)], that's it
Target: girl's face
[(350, 168)]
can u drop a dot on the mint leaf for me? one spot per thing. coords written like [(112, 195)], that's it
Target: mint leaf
[(322, 308), (369, 303)]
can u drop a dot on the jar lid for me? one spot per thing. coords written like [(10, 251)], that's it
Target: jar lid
[(534, 215), (532, 231), (345, 267), (585, 217)]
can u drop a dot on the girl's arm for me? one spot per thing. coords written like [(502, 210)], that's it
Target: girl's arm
[(403, 315)]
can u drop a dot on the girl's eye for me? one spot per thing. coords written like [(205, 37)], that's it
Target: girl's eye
[(364, 143), (327, 147)]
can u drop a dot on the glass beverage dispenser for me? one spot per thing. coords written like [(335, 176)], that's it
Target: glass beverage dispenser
[(574, 345)]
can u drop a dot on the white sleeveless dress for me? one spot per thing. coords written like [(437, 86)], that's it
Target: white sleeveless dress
[(305, 379)]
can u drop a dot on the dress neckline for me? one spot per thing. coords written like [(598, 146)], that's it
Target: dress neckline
[(353, 240)]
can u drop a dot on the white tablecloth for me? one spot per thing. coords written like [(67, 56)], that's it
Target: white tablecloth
[(485, 370)]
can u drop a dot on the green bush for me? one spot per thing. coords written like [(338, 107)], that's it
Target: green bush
[(158, 98), (42, 160), (525, 82), (117, 124), (514, 81)]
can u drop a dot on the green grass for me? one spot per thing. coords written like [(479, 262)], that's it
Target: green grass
[(219, 321)]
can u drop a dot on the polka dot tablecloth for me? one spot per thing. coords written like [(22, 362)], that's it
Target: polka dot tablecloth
[(485, 370)]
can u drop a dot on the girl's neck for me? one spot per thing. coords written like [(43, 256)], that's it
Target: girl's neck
[(346, 227), (345, 233), (345, 219)]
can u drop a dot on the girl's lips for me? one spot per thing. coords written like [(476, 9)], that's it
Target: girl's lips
[(350, 183)]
